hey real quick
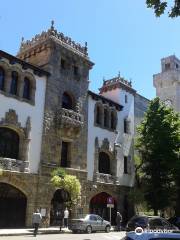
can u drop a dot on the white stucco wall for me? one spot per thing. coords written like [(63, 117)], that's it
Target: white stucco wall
[(36, 112), (126, 140)]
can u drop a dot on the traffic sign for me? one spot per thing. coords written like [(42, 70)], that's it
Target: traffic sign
[(110, 200), (110, 205)]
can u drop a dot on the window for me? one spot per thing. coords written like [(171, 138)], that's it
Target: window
[(9, 143), (98, 115), (26, 91), (126, 98), (92, 218), (14, 83), (104, 163), (67, 101), (125, 126), (125, 164), (167, 66), (63, 63), (106, 118), (75, 70), (2, 77), (64, 154), (113, 121), (177, 66)]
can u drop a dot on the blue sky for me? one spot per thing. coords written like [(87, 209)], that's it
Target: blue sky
[(122, 35)]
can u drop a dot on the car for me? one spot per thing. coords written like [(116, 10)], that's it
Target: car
[(90, 223), (152, 236), (149, 222), (175, 221)]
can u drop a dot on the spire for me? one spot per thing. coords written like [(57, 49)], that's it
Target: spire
[(52, 25)]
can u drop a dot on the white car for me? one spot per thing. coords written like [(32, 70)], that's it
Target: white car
[(151, 235)]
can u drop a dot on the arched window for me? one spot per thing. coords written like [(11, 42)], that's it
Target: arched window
[(2, 77), (9, 143), (14, 83), (106, 118), (67, 101), (27, 88), (113, 121), (104, 163), (98, 115)]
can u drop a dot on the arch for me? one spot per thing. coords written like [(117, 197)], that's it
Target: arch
[(9, 143), (113, 119), (106, 117), (26, 89), (2, 78), (104, 163), (14, 82), (98, 205), (58, 203), (67, 101), (13, 204)]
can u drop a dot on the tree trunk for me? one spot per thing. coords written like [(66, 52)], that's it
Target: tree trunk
[(155, 212)]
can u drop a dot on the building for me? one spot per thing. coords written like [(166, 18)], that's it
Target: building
[(22, 96), (56, 121), (167, 82)]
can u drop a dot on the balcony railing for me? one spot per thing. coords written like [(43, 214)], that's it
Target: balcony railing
[(105, 178), (14, 165), (69, 118)]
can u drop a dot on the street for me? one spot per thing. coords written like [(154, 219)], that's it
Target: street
[(69, 236)]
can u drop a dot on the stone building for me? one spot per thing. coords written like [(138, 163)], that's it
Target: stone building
[(47, 109), (167, 82)]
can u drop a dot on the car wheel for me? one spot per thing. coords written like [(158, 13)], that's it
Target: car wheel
[(89, 229), (107, 229)]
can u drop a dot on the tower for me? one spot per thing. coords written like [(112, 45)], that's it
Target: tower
[(167, 83), (64, 139)]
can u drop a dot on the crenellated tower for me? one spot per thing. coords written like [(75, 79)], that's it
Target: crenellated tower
[(64, 141)]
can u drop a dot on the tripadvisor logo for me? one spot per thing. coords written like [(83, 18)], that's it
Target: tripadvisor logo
[(140, 230)]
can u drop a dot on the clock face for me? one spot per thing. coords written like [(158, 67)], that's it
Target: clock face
[(168, 102)]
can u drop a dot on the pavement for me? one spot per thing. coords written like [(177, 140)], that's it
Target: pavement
[(29, 231)]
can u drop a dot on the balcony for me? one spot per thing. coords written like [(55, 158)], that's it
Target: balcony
[(70, 122), (14, 165), (105, 178)]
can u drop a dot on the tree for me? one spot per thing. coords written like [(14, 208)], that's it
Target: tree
[(69, 183), (158, 145), (160, 6)]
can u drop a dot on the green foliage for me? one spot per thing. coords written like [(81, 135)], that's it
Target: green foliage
[(158, 144), (69, 183), (160, 6)]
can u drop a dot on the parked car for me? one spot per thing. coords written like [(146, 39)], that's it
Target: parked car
[(151, 236), (175, 221), (90, 223), (149, 222)]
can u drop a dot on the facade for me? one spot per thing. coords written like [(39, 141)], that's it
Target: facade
[(167, 83), (22, 96), (55, 121)]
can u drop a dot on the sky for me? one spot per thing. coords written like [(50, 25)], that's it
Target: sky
[(122, 35)]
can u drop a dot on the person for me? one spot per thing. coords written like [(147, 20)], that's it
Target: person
[(118, 221), (61, 217), (66, 216), (36, 220)]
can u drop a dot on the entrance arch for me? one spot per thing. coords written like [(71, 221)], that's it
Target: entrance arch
[(58, 204), (98, 205), (13, 205)]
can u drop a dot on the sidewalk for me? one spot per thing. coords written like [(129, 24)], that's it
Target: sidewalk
[(29, 231)]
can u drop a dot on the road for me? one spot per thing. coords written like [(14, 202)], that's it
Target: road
[(70, 236)]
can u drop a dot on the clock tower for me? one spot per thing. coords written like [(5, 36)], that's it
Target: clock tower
[(167, 82)]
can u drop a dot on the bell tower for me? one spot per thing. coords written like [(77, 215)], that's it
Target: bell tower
[(64, 140), (167, 82)]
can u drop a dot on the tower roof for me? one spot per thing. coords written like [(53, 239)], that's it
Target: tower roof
[(116, 82), (58, 37)]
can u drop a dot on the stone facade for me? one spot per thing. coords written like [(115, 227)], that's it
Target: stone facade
[(167, 83)]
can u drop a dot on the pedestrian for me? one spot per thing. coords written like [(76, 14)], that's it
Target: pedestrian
[(118, 221), (36, 220), (66, 216)]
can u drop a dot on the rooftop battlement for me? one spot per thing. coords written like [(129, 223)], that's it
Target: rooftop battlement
[(57, 36)]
